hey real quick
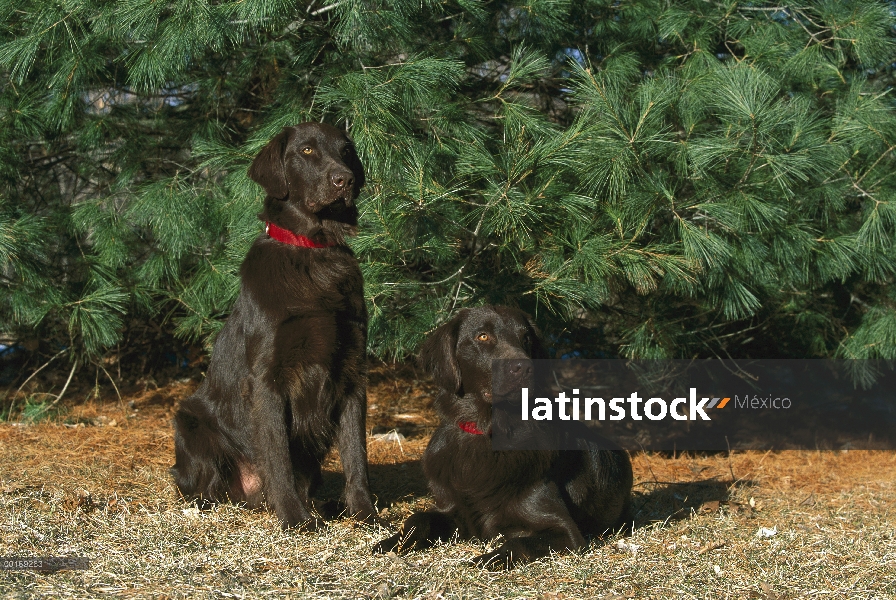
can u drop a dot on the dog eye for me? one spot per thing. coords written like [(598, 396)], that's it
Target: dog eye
[(483, 337), (307, 150)]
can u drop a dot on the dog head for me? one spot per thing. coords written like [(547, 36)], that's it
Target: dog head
[(459, 354), (311, 175)]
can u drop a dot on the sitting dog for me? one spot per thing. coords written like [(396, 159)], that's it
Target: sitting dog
[(288, 373), (539, 500)]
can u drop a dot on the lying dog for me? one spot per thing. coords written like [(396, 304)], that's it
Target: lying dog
[(288, 374), (539, 500)]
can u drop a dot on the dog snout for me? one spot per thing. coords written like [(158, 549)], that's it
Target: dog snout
[(342, 179), (521, 368), (512, 374)]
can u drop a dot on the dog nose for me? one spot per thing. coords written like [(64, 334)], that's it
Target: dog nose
[(521, 367), (342, 179)]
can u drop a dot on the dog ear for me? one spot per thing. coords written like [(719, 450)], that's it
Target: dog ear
[(438, 355), (538, 349), (267, 169), (354, 163)]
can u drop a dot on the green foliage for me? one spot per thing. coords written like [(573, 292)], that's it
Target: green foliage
[(32, 409), (680, 179)]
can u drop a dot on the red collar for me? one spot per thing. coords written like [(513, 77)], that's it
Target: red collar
[(469, 427), (288, 237)]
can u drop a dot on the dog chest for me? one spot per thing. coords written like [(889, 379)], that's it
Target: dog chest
[(288, 282)]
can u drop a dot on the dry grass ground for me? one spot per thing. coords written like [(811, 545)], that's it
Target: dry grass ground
[(98, 487)]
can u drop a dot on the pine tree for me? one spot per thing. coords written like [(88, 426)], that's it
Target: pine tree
[(649, 178)]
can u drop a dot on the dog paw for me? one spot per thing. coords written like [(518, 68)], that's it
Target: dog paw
[(390, 544), (367, 517), (497, 560), (307, 526), (203, 503)]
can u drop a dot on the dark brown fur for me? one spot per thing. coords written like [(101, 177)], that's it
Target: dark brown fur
[(539, 500), (288, 374)]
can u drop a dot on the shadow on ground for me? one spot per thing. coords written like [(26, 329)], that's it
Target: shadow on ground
[(665, 502), (669, 502), (399, 482)]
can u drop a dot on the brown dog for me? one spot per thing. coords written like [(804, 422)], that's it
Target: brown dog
[(539, 500), (288, 374)]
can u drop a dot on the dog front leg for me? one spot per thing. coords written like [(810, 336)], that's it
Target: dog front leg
[(272, 457), (352, 442), (550, 528)]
